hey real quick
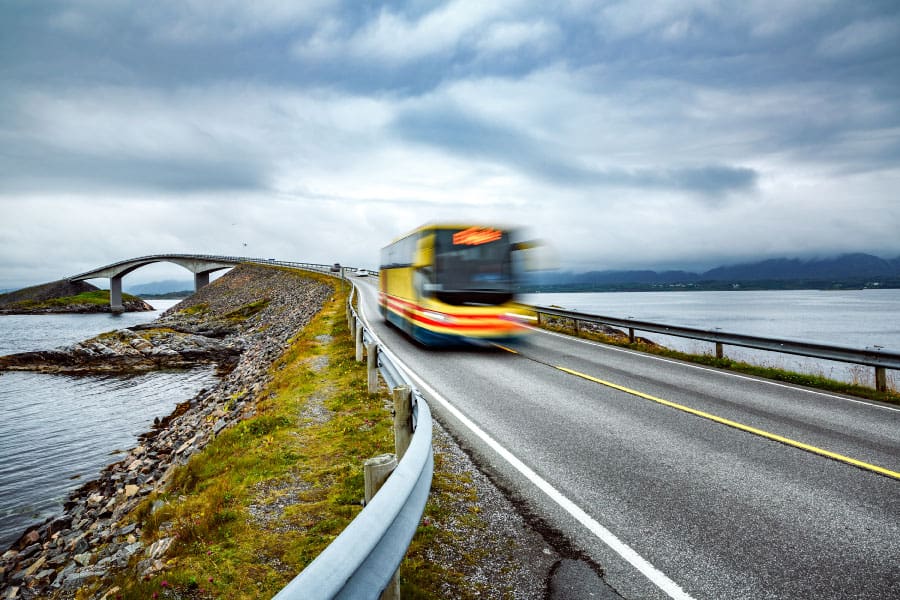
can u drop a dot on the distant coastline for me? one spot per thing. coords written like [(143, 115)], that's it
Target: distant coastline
[(712, 286), (847, 272), (167, 295)]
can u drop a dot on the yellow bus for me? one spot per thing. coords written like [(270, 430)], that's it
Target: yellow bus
[(452, 284)]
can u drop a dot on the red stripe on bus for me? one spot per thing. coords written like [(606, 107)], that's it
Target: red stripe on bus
[(410, 310)]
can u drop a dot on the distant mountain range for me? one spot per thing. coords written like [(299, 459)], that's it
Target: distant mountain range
[(846, 271), (160, 287)]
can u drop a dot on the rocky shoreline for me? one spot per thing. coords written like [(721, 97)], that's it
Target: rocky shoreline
[(242, 322), (135, 305), (130, 351)]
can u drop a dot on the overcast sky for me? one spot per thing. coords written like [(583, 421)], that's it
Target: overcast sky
[(675, 134)]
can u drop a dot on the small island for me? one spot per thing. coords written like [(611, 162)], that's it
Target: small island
[(65, 297)]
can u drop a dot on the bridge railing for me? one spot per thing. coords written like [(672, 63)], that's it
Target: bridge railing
[(214, 258), (362, 560), (880, 360)]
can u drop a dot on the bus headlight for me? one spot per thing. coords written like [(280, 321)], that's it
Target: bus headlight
[(519, 317), (439, 317)]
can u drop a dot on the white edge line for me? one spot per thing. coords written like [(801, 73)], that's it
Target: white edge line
[(657, 577), (705, 368)]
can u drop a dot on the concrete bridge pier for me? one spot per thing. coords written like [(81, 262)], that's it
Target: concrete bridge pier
[(201, 280), (115, 294)]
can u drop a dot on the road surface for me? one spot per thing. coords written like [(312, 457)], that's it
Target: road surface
[(681, 481)]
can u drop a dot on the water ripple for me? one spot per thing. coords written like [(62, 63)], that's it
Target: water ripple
[(60, 431)]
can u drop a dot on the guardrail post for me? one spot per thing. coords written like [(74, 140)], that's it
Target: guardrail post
[(880, 379), (402, 419), (359, 341), (375, 473), (631, 335), (372, 366), (720, 351), (577, 327)]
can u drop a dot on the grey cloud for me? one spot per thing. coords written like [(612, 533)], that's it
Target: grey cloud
[(453, 131), (711, 179), (38, 167)]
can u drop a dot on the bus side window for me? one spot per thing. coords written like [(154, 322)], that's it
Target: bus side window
[(423, 282)]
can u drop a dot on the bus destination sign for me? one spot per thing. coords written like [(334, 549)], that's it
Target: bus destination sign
[(474, 236)]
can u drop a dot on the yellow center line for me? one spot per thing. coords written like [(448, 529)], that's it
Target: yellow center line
[(723, 421), (736, 425), (505, 348)]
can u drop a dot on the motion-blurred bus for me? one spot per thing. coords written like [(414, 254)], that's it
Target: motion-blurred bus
[(452, 284)]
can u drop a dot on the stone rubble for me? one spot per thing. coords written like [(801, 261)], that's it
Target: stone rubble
[(93, 536)]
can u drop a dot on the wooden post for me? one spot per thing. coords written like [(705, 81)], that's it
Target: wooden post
[(402, 420), (539, 319), (359, 341), (375, 472), (720, 351), (881, 379), (372, 366), (631, 335), (577, 327)]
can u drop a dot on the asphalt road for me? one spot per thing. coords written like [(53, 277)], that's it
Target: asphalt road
[(673, 503)]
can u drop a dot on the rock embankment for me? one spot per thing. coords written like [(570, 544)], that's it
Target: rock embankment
[(253, 311)]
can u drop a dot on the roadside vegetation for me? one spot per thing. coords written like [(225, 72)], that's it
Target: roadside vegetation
[(264, 498), (615, 337)]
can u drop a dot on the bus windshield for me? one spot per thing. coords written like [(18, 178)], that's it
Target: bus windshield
[(472, 266)]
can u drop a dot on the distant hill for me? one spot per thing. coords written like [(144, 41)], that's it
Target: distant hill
[(849, 270), (848, 266), (160, 287), (46, 291)]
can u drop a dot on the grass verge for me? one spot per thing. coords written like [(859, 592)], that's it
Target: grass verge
[(262, 500), (814, 381)]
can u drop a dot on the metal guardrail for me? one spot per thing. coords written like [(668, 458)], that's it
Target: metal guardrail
[(878, 359), (362, 560)]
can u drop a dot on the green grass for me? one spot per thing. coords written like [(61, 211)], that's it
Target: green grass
[(197, 309), (808, 380), (220, 548), (248, 310)]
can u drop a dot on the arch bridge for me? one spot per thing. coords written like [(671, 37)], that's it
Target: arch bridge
[(201, 265)]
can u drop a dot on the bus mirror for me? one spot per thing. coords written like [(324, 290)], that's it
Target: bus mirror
[(535, 255), (424, 252), (527, 245)]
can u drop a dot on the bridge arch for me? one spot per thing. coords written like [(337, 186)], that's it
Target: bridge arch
[(198, 264)]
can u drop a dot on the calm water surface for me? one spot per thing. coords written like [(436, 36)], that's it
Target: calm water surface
[(851, 318), (58, 431)]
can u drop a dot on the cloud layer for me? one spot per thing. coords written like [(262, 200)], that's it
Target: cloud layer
[(627, 134)]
